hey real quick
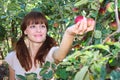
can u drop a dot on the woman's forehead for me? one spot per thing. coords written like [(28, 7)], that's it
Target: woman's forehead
[(31, 22), (37, 24)]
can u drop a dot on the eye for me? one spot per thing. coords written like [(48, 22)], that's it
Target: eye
[(43, 26), (32, 26)]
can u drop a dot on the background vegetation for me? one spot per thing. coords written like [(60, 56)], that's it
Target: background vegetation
[(94, 56)]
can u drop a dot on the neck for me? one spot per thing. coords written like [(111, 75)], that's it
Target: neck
[(33, 48)]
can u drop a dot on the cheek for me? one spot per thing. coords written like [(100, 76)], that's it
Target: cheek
[(45, 31), (27, 32), (44, 35)]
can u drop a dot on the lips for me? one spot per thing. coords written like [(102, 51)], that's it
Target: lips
[(38, 35)]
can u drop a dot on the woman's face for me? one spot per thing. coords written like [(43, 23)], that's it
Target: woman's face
[(36, 32)]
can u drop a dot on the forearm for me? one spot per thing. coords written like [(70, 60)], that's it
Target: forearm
[(65, 46), (11, 74), (80, 28)]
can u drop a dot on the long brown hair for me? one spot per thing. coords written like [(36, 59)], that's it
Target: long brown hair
[(21, 48)]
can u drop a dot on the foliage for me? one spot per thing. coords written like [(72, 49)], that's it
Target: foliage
[(28, 76), (94, 55), (88, 64)]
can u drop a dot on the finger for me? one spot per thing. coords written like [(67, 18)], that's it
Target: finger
[(78, 24), (80, 29), (90, 28), (84, 24), (77, 27)]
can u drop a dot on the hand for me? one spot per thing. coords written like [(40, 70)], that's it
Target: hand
[(81, 27)]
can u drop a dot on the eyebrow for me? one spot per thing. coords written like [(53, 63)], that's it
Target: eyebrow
[(36, 24)]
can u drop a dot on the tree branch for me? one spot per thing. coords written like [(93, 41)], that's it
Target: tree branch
[(117, 16), (117, 19)]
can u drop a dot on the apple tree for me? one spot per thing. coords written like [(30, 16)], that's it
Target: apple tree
[(93, 56)]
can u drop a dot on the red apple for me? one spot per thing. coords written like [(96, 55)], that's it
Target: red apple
[(75, 9), (55, 24), (110, 7), (77, 46), (78, 18), (102, 10), (110, 41), (113, 25), (90, 22)]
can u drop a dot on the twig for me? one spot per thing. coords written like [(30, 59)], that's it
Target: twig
[(90, 41), (116, 15), (109, 37)]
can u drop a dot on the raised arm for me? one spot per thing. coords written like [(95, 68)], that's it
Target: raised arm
[(68, 37)]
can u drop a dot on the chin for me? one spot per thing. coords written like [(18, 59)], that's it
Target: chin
[(39, 41)]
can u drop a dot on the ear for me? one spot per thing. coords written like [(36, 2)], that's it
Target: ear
[(25, 32)]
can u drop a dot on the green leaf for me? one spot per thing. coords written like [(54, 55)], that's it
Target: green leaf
[(53, 65), (104, 47), (72, 57), (81, 2), (99, 46), (70, 68), (65, 63), (87, 77), (43, 71), (21, 77), (97, 34), (47, 64), (62, 73), (81, 74), (48, 75), (103, 73), (117, 44), (31, 76), (115, 75), (114, 62), (3, 17)]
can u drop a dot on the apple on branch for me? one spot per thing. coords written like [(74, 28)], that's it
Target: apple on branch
[(55, 24), (90, 22), (113, 25), (110, 7), (110, 41), (75, 9), (102, 10)]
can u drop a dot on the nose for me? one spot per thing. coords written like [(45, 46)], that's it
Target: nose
[(38, 29)]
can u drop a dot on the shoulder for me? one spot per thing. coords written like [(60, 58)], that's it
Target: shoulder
[(11, 55), (12, 60), (49, 57), (54, 48)]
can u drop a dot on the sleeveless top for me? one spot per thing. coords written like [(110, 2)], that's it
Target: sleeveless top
[(12, 60)]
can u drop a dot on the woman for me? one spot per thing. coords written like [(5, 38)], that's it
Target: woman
[(35, 47)]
